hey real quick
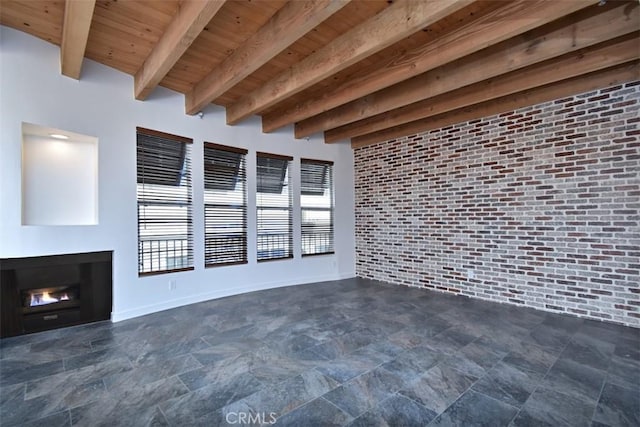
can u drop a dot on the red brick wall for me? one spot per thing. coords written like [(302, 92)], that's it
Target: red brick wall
[(538, 207)]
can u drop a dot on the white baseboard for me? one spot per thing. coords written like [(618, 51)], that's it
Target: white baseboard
[(192, 299)]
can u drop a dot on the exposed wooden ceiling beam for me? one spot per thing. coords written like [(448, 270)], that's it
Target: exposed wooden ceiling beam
[(603, 55), (517, 53), (290, 23), (75, 33), (192, 17), (401, 19), (597, 80), (501, 24)]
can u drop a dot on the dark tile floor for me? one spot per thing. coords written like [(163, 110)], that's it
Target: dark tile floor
[(353, 352)]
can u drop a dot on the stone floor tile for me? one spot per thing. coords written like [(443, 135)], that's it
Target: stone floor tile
[(589, 351), (318, 412), (545, 336), (109, 413), (550, 408), (187, 408), (397, 410), (364, 392), (60, 419), (625, 372), (508, 384), (618, 406), (352, 365), (284, 397), (530, 357), (19, 371), (151, 372), (476, 409), (438, 388), (569, 377)]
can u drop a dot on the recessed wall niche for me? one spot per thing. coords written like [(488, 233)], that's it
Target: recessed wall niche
[(59, 177)]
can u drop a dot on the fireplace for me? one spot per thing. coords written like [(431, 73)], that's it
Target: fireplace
[(48, 292)]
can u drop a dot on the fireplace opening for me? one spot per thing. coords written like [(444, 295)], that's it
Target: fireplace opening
[(53, 298)]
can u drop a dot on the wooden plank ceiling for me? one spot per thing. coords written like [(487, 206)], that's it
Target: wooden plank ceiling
[(364, 70)]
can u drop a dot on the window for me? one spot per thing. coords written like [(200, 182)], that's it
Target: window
[(225, 205), (274, 207), (316, 203), (165, 234)]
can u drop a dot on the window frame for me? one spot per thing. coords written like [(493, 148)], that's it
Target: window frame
[(329, 184), (145, 200), (240, 175), (286, 175)]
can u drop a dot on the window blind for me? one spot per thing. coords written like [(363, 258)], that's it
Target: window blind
[(225, 205), (274, 207), (316, 203), (165, 229)]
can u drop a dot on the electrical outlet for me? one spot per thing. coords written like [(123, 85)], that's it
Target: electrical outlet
[(172, 285), (471, 274)]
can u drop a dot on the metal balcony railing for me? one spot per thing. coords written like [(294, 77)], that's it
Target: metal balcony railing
[(163, 253)]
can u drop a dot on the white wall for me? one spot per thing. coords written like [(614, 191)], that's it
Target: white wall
[(101, 104)]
